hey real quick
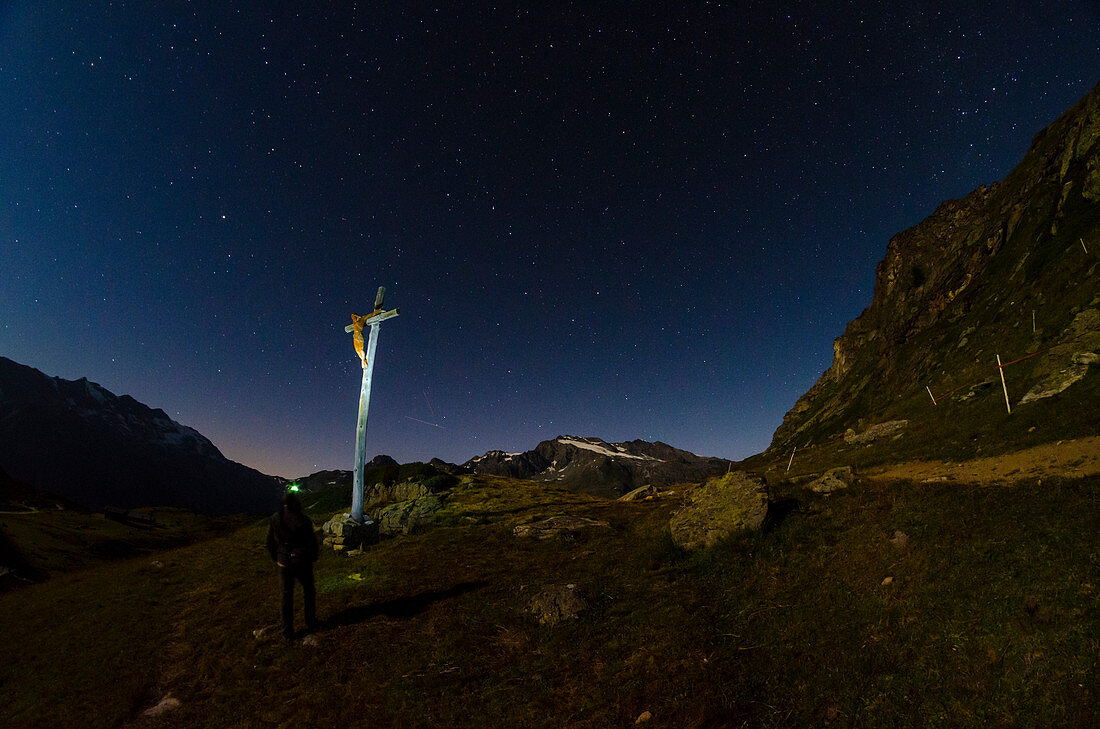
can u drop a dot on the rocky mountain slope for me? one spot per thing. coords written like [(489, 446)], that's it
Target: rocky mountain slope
[(1010, 270), (83, 442), (594, 466)]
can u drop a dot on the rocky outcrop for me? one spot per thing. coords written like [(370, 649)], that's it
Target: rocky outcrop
[(555, 604), (890, 428), (444, 467), (1083, 336), (962, 286), (381, 493), (562, 526), (343, 534), (832, 480), (166, 704), (649, 491), (408, 516), (720, 507), (1060, 380)]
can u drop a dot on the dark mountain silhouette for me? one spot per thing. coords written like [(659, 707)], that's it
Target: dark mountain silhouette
[(82, 442)]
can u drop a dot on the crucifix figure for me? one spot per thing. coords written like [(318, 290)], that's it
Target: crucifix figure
[(375, 318)]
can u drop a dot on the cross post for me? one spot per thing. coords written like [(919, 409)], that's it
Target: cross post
[(373, 319)]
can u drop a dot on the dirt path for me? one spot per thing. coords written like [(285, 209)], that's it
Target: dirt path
[(1069, 458)]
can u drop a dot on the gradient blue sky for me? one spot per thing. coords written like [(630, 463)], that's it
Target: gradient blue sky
[(630, 221)]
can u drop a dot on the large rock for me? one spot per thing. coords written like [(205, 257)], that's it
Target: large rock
[(833, 479), (1054, 373), (342, 533), (723, 505), (563, 526), (1060, 380), (881, 430), (649, 491), (405, 491), (168, 703), (557, 603), (407, 516)]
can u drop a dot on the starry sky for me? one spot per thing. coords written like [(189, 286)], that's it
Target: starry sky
[(625, 220)]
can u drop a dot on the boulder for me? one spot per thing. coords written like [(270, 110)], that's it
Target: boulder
[(641, 493), (341, 532), (556, 603), (1060, 380), (833, 479), (1053, 373), (380, 493), (881, 430), (265, 633), (561, 525), (409, 490), (723, 505), (407, 516), (166, 704)]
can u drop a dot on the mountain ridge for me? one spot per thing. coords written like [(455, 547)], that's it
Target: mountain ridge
[(595, 466), (83, 442)]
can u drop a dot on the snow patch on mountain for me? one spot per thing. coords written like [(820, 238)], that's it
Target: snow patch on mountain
[(603, 451)]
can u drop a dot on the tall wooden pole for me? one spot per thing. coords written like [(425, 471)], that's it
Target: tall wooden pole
[(374, 320), (1001, 369)]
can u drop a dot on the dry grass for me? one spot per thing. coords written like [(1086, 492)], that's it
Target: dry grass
[(990, 619)]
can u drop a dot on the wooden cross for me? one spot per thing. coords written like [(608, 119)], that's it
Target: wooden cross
[(373, 319)]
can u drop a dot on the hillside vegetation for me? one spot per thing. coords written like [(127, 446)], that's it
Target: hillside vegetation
[(988, 617), (38, 543)]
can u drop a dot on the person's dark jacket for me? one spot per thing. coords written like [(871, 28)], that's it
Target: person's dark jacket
[(291, 539)]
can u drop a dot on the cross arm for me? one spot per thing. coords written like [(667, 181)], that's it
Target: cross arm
[(375, 318)]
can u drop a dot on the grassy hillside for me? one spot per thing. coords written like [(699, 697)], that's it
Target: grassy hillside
[(989, 619), (44, 540)]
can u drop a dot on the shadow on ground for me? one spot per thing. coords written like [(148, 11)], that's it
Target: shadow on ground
[(778, 511), (402, 607)]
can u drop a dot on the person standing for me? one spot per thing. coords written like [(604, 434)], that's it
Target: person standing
[(292, 544)]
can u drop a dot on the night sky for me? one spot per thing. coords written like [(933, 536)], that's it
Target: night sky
[(622, 220)]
